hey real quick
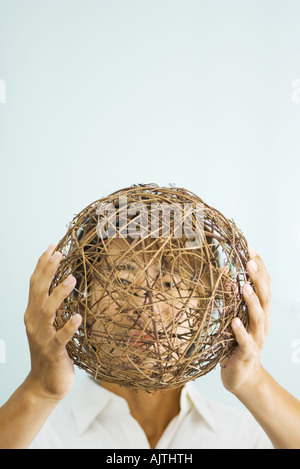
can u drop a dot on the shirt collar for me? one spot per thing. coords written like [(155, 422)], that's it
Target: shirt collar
[(201, 405), (88, 401), (91, 398)]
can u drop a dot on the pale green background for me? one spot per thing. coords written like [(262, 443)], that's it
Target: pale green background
[(101, 95)]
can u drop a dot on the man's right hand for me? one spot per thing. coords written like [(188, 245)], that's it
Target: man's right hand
[(52, 370)]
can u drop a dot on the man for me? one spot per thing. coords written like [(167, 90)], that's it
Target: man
[(102, 413)]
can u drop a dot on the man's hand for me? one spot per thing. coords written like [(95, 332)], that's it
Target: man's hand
[(52, 370), (243, 368)]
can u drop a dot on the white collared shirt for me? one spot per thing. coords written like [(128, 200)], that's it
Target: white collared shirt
[(95, 418)]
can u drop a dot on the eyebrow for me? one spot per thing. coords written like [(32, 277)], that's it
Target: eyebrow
[(127, 266)]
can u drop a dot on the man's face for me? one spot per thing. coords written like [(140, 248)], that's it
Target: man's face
[(144, 302)]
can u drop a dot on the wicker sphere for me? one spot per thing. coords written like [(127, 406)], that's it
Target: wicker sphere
[(159, 280)]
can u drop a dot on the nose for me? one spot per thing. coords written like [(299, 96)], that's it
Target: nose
[(149, 300), (151, 312), (157, 310)]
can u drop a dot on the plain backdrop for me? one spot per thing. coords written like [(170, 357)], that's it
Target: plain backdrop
[(98, 95)]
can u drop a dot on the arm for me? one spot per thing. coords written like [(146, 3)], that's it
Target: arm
[(277, 411), (52, 372), (22, 417)]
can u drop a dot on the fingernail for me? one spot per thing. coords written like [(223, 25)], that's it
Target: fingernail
[(252, 266), (248, 289), (55, 256), (252, 252), (69, 281), (237, 322), (50, 248), (76, 319)]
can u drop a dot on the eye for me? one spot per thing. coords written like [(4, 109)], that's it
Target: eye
[(170, 284), (141, 292), (124, 282)]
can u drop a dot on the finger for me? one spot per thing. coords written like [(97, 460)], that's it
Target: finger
[(46, 276), (257, 316), (260, 263), (261, 281), (54, 301), (253, 255), (263, 291), (258, 260), (42, 262), (242, 337), (64, 335)]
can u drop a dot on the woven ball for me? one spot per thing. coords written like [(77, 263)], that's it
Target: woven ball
[(159, 279)]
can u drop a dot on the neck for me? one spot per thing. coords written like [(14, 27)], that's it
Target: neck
[(152, 411)]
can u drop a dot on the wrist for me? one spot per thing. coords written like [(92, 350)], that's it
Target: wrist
[(35, 395), (23, 416), (253, 386)]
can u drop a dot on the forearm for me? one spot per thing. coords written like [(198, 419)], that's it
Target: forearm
[(277, 411), (22, 418)]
